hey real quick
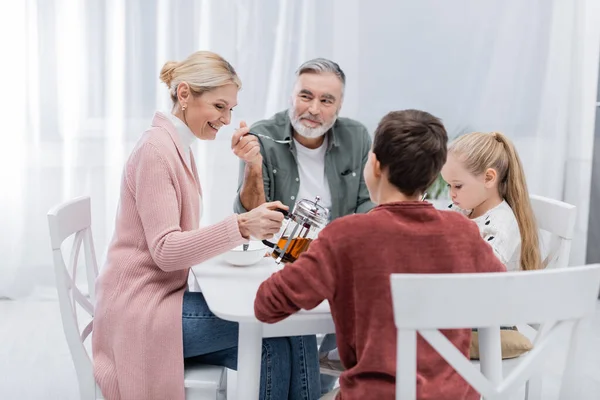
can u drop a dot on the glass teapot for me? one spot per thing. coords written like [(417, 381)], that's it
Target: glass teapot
[(298, 230)]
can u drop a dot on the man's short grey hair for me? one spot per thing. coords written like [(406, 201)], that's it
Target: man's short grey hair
[(319, 65)]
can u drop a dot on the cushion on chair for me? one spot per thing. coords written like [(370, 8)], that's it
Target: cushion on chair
[(513, 343)]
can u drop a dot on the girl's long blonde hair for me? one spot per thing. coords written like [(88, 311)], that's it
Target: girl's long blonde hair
[(480, 151)]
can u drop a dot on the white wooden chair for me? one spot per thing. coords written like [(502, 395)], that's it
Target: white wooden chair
[(73, 218), (425, 303), (558, 219), (556, 223)]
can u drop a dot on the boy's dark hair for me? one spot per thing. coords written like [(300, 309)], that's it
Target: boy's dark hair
[(412, 146)]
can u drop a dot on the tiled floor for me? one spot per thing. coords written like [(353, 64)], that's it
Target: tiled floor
[(35, 361)]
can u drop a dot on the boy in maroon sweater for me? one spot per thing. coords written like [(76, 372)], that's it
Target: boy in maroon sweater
[(350, 264)]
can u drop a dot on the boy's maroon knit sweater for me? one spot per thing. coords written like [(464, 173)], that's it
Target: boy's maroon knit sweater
[(350, 265)]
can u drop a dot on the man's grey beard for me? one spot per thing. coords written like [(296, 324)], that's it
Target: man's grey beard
[(305, 131)]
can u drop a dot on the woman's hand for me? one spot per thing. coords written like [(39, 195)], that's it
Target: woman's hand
[(245, 146), (263, 222)]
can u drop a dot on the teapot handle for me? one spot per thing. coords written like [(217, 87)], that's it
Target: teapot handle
[(281, 210), (286, 215), (269, 244)]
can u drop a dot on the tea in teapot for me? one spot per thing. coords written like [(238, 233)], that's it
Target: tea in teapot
[(297, 246), (299, 229)]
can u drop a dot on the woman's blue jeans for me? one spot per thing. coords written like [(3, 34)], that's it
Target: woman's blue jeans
[(290, 365)]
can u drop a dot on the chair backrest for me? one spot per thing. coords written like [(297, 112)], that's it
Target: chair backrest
[(557, 218), (65, 220), (425, 303)]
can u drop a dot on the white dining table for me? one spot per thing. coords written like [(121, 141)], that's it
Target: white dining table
[(230, 292)]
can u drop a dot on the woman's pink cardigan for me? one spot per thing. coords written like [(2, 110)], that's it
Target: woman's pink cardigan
[(137, 339)]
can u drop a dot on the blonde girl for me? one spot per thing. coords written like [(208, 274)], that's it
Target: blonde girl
[(486, 182)]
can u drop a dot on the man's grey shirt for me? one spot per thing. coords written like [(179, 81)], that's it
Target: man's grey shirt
[(347, 152)]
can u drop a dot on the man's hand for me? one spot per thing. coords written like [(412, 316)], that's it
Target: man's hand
[(245, 146)]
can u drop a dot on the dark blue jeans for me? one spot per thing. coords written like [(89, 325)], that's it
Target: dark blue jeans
[(328, 344), (290, 365)]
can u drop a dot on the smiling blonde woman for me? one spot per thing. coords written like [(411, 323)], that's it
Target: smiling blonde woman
[(146, 320)]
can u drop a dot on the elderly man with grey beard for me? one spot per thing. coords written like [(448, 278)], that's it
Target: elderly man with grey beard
[(322, 155)]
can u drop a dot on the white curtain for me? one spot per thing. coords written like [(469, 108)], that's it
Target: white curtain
[(81, 85)]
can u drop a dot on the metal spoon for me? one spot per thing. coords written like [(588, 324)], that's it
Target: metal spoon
[(270, 138)]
